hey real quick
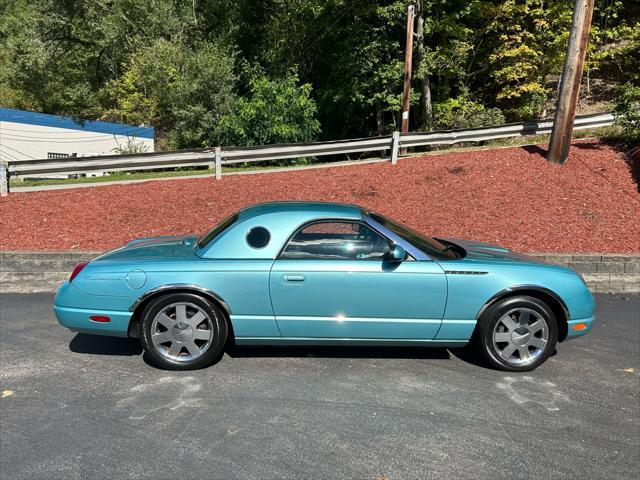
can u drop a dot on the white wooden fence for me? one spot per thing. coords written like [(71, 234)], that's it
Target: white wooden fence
[(217, 157)]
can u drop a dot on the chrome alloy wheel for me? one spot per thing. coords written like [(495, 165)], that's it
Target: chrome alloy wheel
[(182, 331), (520, 336)]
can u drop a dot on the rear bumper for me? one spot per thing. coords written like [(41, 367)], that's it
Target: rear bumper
[(73, 310), (77, 320), (576, 322)]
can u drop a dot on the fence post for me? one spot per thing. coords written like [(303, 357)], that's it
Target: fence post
[(395, 144), (218, 163), (4, 179)]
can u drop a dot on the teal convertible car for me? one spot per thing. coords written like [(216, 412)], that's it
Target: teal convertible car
[(302, 273)]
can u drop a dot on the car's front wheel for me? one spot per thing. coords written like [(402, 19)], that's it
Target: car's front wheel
[(517, 334), (182, 331)]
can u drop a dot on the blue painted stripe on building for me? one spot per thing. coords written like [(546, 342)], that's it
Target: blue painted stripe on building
[(45, 120)]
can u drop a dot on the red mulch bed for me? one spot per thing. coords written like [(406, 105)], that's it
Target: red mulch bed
[(510, 196)]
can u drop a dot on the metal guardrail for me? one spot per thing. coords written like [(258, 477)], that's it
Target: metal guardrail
[(219, 156), (503, 131)]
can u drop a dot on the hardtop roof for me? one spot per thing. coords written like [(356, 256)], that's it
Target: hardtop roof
[(320, 209)]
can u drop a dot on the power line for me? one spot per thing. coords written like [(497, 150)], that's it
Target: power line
[(8, 155), (328, 25), (69, 140), (13, 149), (322, 31), (47, 133), (69, 136)]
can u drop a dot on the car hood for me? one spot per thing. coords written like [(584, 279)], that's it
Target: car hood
[(153, 248), (486, 251)]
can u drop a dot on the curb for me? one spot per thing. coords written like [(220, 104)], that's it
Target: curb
[(29, 272), (35, 272), (604, 273)]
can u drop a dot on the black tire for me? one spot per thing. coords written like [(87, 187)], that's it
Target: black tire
[(488, 326), (159, 354)]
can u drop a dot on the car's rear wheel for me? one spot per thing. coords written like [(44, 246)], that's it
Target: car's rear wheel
[(182, 331), (517, 334)]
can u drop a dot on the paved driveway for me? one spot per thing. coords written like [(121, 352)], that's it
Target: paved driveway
[(77, 406)]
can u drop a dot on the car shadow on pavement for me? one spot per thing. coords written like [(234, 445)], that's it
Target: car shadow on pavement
[(470, 355), (338, 352), (103, 345)]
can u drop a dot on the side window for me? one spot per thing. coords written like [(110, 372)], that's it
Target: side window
[(336, 241)]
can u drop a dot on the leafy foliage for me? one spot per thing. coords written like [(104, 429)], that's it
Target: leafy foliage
[(628, 111), (220, 71), (274, 111), (461, 112), (185, 91), (528, 44), (624, 56)]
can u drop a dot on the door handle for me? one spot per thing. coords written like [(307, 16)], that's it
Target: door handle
[(293, 277)]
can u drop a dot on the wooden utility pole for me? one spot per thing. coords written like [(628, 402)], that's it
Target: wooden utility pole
[(408, 53), (570, 82)]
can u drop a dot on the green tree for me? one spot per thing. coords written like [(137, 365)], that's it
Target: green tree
[(274, 111), (351, 51), (444, 45), (181, 64), (183, 92), (525, 42), (60, 52), (626, 56)]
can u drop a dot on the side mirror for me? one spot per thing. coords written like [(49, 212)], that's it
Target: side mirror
[(397, 253)]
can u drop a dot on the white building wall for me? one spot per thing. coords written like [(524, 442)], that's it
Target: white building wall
[(24, 141)]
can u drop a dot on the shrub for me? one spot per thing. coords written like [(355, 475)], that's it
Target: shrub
[(132, 146), (461, 112), (274, 111), (627, 112)]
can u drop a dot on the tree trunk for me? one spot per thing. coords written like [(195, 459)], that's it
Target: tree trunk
[(379, 118), (426, 107), (425, 112)]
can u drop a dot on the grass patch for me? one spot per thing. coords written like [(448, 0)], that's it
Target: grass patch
[(124, 176)]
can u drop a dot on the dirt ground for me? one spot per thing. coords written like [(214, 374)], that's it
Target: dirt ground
[(509, 196)]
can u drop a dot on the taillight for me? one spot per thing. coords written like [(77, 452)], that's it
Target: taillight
[(77, 270)]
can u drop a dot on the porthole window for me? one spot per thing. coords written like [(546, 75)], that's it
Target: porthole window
[(258, 237)]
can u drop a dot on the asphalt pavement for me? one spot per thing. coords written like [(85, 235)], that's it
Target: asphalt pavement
[(78, 406)]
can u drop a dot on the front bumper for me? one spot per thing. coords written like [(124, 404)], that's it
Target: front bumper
[(588, 321)]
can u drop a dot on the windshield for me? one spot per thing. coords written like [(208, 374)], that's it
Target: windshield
[(217, 230), (428, 245)]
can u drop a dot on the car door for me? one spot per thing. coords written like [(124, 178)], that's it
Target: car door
[(333, 280)]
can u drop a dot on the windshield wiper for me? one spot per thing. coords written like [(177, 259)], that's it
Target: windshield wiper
[(448, 248)]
